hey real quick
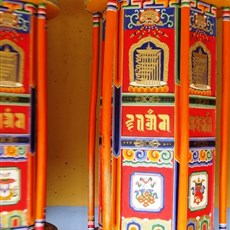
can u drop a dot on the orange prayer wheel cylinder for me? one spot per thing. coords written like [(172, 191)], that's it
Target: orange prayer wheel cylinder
[(158, 114), (23, 111)]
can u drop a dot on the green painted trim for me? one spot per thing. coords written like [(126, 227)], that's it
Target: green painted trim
[(96, 24), (15, 99), (23, 11), (202, 102), (143, 99), (185, 4), (202, 106)]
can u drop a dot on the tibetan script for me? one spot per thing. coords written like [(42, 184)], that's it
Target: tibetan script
[(148, 122), (201, 123), (9, 120)]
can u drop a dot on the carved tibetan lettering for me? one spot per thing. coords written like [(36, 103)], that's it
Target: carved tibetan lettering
[(140, 122), (151, 120), (20, 120), (164, 125), (130, 121), (148, 122), (9, 120), (201, 124)]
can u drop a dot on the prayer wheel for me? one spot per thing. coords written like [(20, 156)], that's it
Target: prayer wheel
[(23, 111), (158, 113)]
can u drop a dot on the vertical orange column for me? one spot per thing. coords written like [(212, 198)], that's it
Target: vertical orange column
[(184, 116), (92, 119), (108, 66), (31, 155), (116, 160), (41, 119), (225, 116), (120, 77)]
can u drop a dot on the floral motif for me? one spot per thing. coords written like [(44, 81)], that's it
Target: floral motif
[(138, 157), (146, 194), (11, 151), (128, 154), (203, 155), (21, 151), (153, 155)]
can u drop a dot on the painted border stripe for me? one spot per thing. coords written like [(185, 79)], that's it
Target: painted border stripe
[(112, 6), (185, 3), (96, 20), (39, 223), (203, 143), (18, 139), (226, 11), (14, 99), (203, 101), (204, 4), (144, 99), (222, 226), (226, 14), (226, 19), (146, 143)]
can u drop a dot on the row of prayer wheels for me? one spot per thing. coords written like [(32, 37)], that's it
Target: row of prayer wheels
[(23, 109), (157, 61), (158, 83)]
